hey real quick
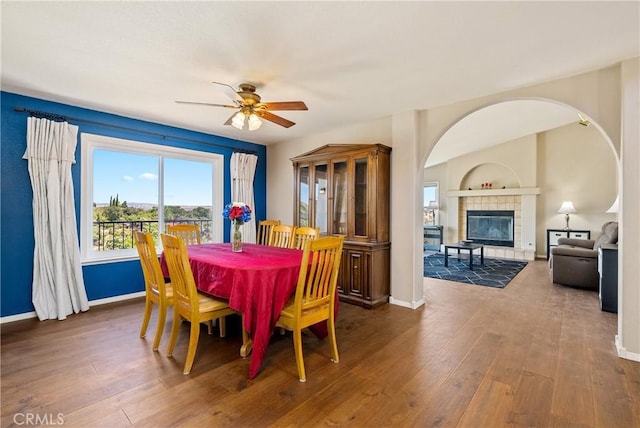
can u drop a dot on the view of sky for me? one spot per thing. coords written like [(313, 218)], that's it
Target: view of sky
[(429, 194), (134, 178)]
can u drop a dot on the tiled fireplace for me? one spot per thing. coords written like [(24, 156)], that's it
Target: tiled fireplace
[(522, 202)]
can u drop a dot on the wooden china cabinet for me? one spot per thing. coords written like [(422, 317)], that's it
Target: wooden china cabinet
[(344, 190)]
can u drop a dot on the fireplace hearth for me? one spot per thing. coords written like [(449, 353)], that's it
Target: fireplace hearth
[(494, 227)]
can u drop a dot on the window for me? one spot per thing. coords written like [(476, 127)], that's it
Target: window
[(431, 203), (128, 185)]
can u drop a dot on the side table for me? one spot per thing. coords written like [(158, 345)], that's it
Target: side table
[(608, 272), (432, 237)]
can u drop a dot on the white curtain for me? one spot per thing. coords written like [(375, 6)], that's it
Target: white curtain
[(243, 169), (58, 287)]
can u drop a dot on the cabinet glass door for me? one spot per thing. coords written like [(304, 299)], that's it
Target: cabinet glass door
[(320, 200), (339, 212), (360, 197), (303, 192)]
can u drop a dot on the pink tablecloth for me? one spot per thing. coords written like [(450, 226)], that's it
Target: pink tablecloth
[(257, 281)]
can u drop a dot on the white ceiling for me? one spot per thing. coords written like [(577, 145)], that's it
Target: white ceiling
[(349, 61)]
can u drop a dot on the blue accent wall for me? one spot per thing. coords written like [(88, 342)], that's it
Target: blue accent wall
[(16, 216)]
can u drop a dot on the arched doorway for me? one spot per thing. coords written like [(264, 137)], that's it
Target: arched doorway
[(547, 146)]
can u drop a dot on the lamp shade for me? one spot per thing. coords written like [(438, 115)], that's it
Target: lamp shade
[(566, 207), (613, 209), (238, 120), (433, 205), (254, 122)]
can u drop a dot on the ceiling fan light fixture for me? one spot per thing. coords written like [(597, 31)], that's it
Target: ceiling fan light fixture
[(254, 122), (238, 120), (251, 111)]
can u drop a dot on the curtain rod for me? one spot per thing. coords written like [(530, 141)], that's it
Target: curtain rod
[(54, 116)]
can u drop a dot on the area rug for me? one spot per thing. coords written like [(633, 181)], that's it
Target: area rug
[(494, 273)]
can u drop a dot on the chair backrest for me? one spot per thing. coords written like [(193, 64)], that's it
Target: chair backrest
[(318, 276), (281, 235), (185, 292), (264, 231), (190, 233), (302, 235), (151, 270), (609, 234)]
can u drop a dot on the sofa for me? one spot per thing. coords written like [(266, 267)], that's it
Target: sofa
[(574, 262)]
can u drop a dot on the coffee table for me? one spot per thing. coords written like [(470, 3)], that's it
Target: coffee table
[(470, 247)]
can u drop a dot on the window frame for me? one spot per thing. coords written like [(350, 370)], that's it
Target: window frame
[(91, 142), (436, 186)]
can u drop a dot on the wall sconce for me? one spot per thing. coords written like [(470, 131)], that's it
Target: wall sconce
[(583, 121), (613, 209), (566, 208)]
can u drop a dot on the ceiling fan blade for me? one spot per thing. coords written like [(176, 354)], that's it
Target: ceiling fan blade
[(206, 104), (230, 91), (228, 122), (275, 119), (286, 105)]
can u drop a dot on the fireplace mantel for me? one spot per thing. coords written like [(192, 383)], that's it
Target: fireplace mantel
[(495, 192)]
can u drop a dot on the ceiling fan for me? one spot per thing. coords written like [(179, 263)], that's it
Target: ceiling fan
[(250, 107)]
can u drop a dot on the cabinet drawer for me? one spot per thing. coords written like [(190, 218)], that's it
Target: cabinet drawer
[(578, 235), (554, 236)]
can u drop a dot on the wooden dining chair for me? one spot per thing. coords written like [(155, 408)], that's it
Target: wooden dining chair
[(189, 303), (302, 235), (281, 236), (314, 299), (156, 291), (190, 233), (264, 231)]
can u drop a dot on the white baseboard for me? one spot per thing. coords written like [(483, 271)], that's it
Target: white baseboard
[(623, 353), (17, 317), (410, 305), (28, 315)]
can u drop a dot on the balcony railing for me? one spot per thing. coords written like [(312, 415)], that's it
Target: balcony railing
[(118, 235)]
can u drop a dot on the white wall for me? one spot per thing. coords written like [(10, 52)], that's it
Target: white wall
[(518, 156), (576, 164)]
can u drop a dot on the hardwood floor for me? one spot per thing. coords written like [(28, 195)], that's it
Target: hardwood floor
[(532, 354)]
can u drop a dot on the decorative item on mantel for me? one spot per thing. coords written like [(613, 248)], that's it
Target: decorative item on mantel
[(239, 213), (486, 186)]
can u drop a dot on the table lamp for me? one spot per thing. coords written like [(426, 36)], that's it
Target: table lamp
[(433, 206), (566, 208)]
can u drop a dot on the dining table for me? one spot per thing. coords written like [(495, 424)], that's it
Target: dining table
[(257, 281)]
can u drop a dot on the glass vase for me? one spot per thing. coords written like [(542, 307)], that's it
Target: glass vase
[(236, 238)]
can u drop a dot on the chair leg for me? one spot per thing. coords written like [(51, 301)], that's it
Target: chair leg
[(331, 326), (162, 317), (194, 335), (210, 327), (297, 346), (147, 316), (175, 328), (222, 324), (247, 343)]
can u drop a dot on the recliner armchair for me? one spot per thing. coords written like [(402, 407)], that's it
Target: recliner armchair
[(574, 262)]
